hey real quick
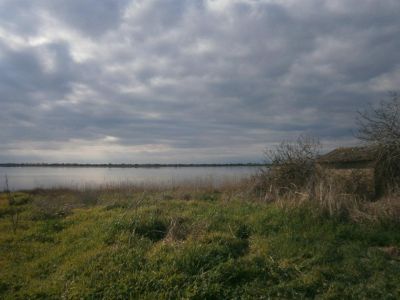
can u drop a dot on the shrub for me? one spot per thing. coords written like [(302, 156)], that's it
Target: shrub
[(292, 166), (380, 127), (18, 198)]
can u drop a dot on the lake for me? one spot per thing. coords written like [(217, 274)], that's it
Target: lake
[(25, 178)]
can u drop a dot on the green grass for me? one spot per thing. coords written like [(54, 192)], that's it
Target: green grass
[(157, 245)]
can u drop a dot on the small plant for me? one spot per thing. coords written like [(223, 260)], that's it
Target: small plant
[(46, 208), (89, 197), (14, 211), (151, 227), (213, 196), (242, 232), (177, 229), (154, 228)]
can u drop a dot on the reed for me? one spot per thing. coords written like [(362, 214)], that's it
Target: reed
[(199, 241)]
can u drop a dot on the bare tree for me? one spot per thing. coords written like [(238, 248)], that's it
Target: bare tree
[(379, 127), (293, 163)]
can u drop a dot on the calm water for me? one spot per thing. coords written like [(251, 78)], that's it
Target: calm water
[(21, 178)]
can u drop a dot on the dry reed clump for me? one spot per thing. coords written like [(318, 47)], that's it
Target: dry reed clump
[(187, 190), (331, 194), (59, 202), (339, 196), (177, 230), (391, 251), (204, 190), (386, 209), (332, 200), (266, 187), (50, 208)]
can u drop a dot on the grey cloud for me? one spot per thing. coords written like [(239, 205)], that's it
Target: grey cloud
[(23, 74), (19, 16), (194, 79), (93, 17)]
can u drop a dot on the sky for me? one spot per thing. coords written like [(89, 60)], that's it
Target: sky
[(188, 81)]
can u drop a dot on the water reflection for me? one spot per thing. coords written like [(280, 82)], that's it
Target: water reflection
[(21, 178)]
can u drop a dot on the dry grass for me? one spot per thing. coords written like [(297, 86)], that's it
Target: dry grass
[(386, 209), (177, 230), (330, 195), (335, 195), (199, 241), (222, 243)]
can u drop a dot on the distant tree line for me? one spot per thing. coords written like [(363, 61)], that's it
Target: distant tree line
[(111, 165)]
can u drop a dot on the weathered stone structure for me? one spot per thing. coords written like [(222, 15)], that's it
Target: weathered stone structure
[(356, 165)]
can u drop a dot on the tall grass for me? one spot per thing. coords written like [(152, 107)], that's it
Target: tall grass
[(221, 243), (342, 196)]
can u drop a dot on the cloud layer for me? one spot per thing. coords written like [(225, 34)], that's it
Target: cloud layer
[(187, 81)]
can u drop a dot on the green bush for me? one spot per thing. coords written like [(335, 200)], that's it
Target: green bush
[(18, 198)]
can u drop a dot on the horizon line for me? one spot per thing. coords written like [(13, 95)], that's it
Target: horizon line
[(129, 165)]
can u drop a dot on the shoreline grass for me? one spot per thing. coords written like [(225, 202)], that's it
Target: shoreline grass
[(195, 242)]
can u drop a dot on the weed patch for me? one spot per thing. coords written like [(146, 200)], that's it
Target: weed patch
[(145, 246), (152, 228)]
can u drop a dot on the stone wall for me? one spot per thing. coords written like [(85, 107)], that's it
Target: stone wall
[(360, 181)]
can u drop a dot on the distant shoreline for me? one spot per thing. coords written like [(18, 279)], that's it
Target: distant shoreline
[(75, 165)]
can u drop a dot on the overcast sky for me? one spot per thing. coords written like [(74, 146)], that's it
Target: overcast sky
[(188, 81)]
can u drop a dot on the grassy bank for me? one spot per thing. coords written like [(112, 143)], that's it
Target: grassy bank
[(196, 243)]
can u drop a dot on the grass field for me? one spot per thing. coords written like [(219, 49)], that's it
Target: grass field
[(194, 244)]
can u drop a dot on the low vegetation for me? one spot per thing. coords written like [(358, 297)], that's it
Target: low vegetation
[(379, 127), (195, 242), (291, 232)]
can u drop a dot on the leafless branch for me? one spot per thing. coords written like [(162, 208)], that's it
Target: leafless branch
[(380, 127), (293, 163)]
